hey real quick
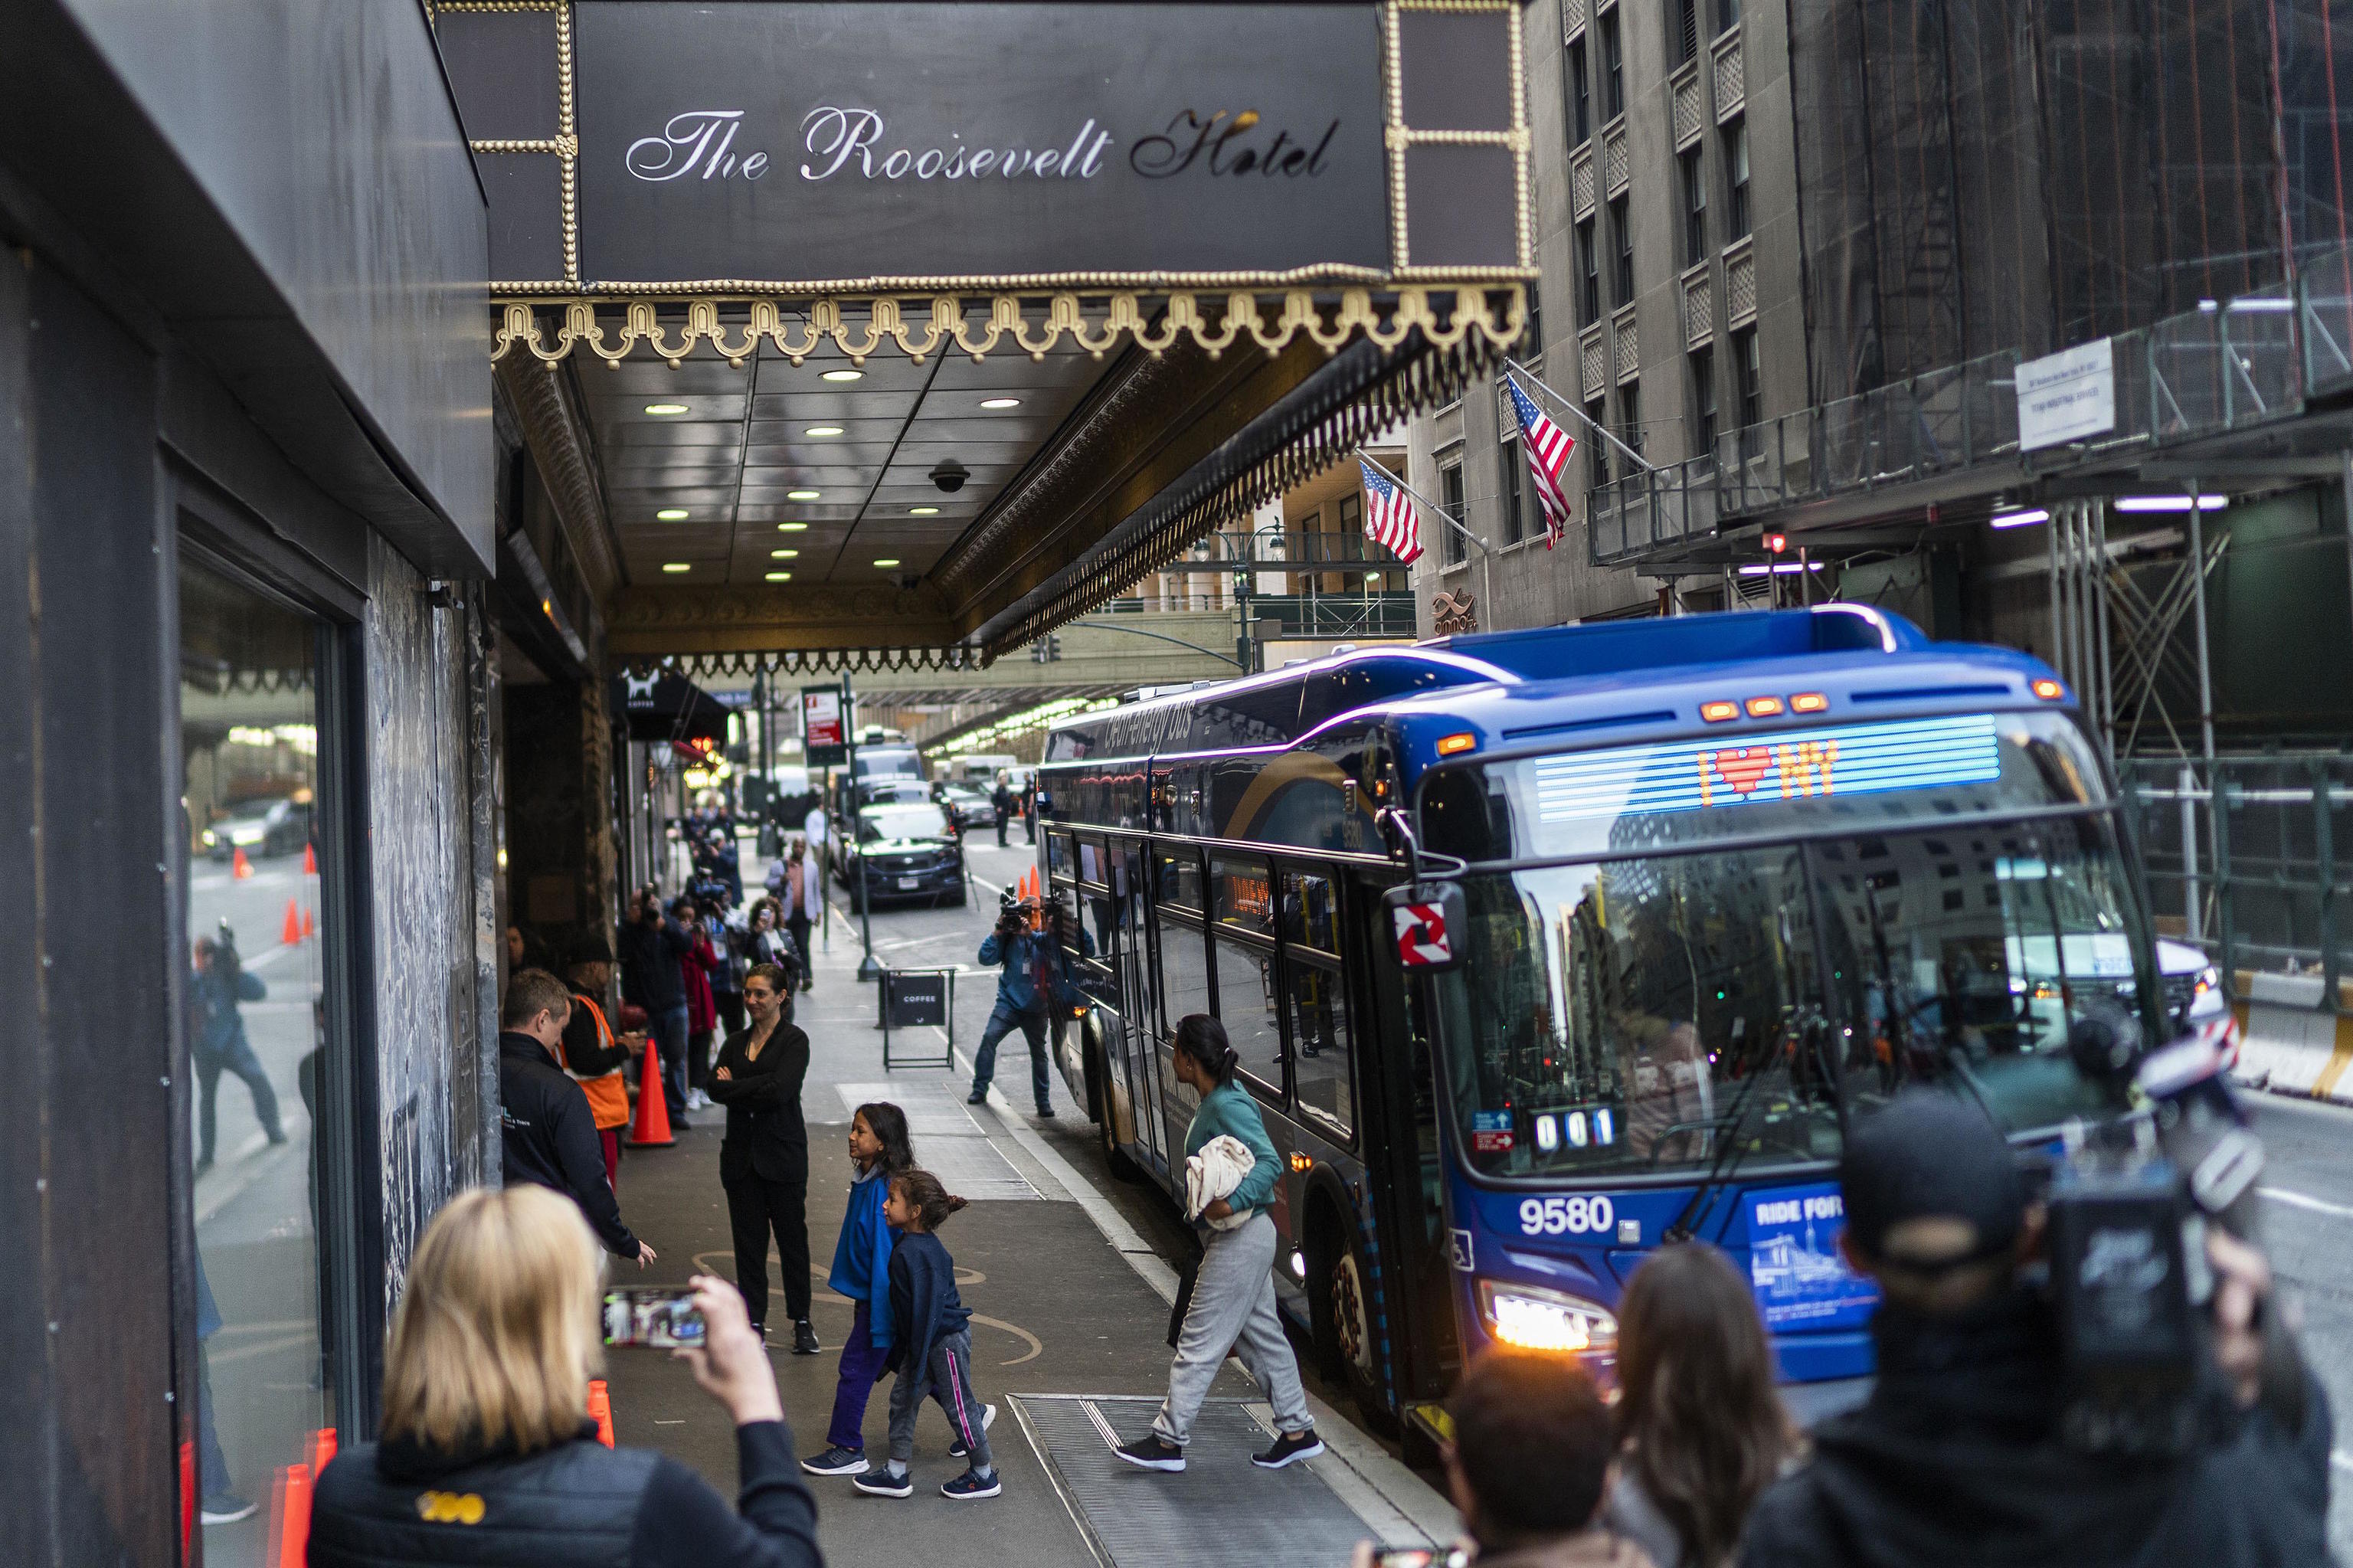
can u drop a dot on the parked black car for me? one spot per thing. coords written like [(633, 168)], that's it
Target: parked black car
[(908, 852)]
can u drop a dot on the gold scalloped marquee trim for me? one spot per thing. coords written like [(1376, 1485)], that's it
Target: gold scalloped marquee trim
[(552, 331)]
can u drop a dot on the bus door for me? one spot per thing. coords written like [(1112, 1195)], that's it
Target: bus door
[(1131, 1065), (1403, 1157)]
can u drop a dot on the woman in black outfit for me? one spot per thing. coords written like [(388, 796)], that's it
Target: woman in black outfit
[(763, 1162)]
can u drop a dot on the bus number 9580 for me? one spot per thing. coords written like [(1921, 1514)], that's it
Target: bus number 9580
[(1557, 1216)]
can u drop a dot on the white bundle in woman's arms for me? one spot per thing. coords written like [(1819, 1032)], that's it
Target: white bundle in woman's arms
[(1214, 1174)]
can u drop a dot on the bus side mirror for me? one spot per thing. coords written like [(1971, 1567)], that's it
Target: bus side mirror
[(1426, 925)]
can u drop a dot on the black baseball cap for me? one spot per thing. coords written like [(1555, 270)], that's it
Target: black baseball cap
[(1931, 1155)]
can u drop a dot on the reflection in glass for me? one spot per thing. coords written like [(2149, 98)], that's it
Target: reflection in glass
[(250, 744), (1319, 1043), (1246, 1006)]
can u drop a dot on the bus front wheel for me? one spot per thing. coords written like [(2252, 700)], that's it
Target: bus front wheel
[(1340, 1313)]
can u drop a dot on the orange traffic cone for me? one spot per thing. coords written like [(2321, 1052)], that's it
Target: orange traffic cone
[(321, 1451), (291, 932), (651, 1130), (310, 860), (289, 1518), (310, 924), (239, 867), (600, 1410)]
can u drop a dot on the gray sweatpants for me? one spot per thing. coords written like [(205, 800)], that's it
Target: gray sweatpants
[(947, 1376), (1233, 1308)]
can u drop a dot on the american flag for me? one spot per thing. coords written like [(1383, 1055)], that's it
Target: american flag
[(1390, 517), (1548, 446)]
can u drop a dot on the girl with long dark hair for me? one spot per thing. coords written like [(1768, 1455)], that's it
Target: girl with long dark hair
[(1701, 1427), (879, 1149), (1232, 1306)]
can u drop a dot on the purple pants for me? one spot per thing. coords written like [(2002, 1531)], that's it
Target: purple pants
[(861, 1363)]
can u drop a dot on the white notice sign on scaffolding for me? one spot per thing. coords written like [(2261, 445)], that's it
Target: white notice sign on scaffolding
[(2067, 396)]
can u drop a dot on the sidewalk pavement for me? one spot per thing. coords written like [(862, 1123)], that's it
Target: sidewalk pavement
[(1068, 1299)]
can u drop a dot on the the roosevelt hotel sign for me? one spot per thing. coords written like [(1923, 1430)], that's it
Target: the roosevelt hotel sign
[(750, 143)]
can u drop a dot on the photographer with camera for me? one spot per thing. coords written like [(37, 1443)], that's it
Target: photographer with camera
[(1983, 1441), (1035, 970)]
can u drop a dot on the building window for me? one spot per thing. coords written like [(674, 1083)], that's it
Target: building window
[(1580, 95), (1532, 338), (1629, 417), (1703, 391), (1694, 180), (1622, 245), (1685, 20), (1727, 15), (1752, 399), (1736, 179), (1514, 488), (1596, 450), (1613, 70), (1588, 276), (1450, 496)]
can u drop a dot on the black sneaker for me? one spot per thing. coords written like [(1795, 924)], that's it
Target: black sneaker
[(837, 1461), (1149, 1453), (977, 1097), (1290, 1451), (1046, 1113), (972, 1486), (226, 1508), (884, 1484), (804, 1339), (987, 1419)]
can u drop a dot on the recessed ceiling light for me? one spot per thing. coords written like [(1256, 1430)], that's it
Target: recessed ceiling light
[(845, 375), (670, 514), (923, 512), (780, 577), (1000, 402), (887, 561), (665, 408), (784, 554), (675, 566), (822, 430), (792, 527), (800, 494)]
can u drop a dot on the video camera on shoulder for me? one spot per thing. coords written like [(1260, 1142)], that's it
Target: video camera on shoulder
[(2128, 1207)]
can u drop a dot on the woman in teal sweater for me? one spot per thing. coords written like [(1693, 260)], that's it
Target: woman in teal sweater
[(1233, 1294)]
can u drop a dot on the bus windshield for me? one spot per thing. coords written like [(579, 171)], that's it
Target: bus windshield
[(1638, 1014)]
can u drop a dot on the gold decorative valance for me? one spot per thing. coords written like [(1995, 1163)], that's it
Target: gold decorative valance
[(1489, 318)]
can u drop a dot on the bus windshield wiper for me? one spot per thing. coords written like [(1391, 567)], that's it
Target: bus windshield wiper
[(1728, 1153)]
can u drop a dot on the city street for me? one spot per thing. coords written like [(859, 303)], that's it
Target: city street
[(1068, 1273)]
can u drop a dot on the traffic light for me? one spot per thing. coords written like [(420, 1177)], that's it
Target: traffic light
[(1776, 543), (1038, 652), (1054, 646)]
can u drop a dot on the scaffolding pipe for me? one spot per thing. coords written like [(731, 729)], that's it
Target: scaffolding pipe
[(2099, 509)]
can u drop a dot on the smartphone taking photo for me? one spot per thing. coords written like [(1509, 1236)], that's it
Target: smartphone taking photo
[(652, 1317)]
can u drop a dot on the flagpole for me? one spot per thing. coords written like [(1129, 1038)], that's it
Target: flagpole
[(1487, 555), (1578, 414)]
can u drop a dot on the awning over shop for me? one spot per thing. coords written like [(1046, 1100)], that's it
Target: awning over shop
[(661, 705), (912, 326)]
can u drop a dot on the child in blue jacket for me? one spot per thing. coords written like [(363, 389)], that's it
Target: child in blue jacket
[(932, 1354), (879, 1149)]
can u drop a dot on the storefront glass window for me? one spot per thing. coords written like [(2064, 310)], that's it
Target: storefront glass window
[(255, 1031)]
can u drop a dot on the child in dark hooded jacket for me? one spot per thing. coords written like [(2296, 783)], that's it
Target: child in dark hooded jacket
[(932, 1351)]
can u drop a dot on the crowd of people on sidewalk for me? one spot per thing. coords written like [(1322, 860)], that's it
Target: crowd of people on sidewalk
[(1688, 1458)]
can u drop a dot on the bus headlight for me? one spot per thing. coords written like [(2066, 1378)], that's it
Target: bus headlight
[(1536, 1318)]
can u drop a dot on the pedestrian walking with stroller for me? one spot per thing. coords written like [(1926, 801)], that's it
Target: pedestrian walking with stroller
[(931, 1355)]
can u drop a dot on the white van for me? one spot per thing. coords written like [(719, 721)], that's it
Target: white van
[(981, 769)]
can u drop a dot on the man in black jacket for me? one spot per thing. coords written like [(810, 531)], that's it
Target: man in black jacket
[(1958, 1457), (548, 1131), (651, 945)]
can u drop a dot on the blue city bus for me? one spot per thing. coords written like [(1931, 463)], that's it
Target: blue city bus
[(1717, 884)]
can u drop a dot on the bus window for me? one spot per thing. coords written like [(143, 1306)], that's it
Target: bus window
[(1319, 1043), (1244, 898), (1058, 856), (1094, 870), (1308, 917), (1180, 879), (1246, 1007), (1184, 970)]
